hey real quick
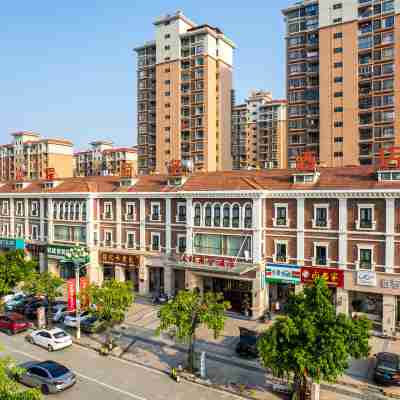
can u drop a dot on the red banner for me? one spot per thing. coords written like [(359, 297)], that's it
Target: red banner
[(72, 292), (334, 277)]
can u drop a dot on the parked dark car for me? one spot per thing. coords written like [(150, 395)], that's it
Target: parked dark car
[(387, 369), (30, 310), (18, 305), (13, 323), (93, 325), (49, 376), (247, 346)]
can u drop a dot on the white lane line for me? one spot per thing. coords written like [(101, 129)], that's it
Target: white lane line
[(113, 388)]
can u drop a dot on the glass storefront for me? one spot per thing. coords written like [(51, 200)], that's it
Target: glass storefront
[(156, 277), (67, 270), (369, 305)]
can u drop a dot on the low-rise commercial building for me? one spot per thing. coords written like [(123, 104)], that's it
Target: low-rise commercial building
[(261, 234)]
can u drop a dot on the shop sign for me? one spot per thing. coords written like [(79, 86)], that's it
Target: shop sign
[(276, 273), (366, 278), (58, 251), (12, 244), (208, 260), (390, 283), (334, 277), (124, 259)]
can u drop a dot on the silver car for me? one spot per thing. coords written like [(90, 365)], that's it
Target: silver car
[(49, 376)]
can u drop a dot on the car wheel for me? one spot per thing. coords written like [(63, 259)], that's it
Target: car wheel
[(45, 389), (29, 339), (50, 347)]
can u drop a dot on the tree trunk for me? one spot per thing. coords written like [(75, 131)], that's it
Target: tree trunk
[(191, 353), (49, 313), (299, 388)]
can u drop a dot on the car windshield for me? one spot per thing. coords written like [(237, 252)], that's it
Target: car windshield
[(56, 370), (59, 335), (388, 363)]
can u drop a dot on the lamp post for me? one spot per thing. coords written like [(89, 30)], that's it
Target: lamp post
[(79, 256)]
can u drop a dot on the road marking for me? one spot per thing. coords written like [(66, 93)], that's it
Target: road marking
[(113, 388)]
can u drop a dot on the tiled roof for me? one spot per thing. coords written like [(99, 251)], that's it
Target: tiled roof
[(347, 178)]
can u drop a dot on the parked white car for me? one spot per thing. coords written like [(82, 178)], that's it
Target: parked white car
[(59, 312), (70, 319), (13, 295), (51, 339)]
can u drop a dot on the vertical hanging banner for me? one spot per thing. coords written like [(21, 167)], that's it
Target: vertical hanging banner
[(83, 285), (71, 294)]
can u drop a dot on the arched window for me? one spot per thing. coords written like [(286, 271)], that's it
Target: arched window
[(56, 210), (197, 215), (226, 221), (84, 211), (66, 206), (208, 215), (248, 216), (217, 215), (77, 209), (236, 216)]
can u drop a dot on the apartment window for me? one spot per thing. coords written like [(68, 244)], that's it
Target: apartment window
[(130, 240), (167, 70), (19, 231), (338, 79), (338, 124), (197, 215), (365, 217), (155, 212), (181, 215), (281, 255), (130, 211), (338, 65), (167, 94), (4, 230), (320, 254), (365, 257), (337, 20), (35, 208), (167, 47), (107, 210), (108, 238), (281, 215), (338, 94), (226, 220), (181, 248), (338, 109), (35, 232), (248, 216), (167, 82), (208, 214), (338, 139), (235, 216), (167, 36), (20, 209), (338, 154), (337, 35), (4, 208), (337, 50), (155, 241), (321, 216)]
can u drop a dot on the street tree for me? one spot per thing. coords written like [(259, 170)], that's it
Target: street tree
[(10, 389), (112, 300), (46, 284), (190, 309), (312, 343), (14, 269)]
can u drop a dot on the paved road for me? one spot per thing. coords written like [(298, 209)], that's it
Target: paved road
[(102, 378)]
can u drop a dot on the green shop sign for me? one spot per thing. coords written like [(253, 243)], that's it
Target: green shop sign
[(12, 244), (282, 273), (58, 251)]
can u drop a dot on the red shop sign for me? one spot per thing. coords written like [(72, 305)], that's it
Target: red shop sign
[(334, 277)]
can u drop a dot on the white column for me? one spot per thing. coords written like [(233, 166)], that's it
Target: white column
[(12, 217), (300, 231), (343, 233), (389, 315), (42, 262), (119, 221), (389, 242), (89, 222), (26, 217), (189, 226), (50, 223), (142, 207), (41, 213), (168, 222), (257, 235)]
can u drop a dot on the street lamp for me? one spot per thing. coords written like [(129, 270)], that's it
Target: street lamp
[(79, 256)]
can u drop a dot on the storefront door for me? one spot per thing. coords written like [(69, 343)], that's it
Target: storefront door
[(156, 275)]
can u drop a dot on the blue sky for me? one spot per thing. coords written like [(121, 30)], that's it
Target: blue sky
[(68, 69)]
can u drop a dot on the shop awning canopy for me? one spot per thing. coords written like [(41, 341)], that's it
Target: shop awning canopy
[(235, 269)]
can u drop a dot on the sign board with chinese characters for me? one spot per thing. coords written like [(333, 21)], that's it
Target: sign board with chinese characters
[(390, 283), (281, 273), (366, 278), (71, 290), (12, 244), (58, 251), (334, 277), (128, 260)]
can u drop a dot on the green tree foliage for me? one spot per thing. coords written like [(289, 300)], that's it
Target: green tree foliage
[(112, 299), (10, 389), (14, 269), (187, 311), (45, 284), (312, 342)]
